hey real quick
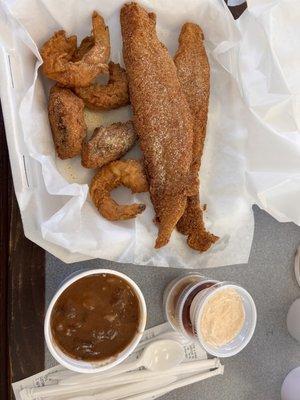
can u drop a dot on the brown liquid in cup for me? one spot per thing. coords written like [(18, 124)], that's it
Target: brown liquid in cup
[(96, 317), (186, 319)]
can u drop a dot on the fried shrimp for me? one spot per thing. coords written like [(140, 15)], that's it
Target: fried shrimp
[(129, 173), (70, 66), (108, 143), (66, 118), (107, 97), (100, 35)]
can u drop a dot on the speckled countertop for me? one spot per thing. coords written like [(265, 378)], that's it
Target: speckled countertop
[(258, 371)]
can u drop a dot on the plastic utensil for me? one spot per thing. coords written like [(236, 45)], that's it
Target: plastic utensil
[(129, 390), (123, 379), (119, 384), (157, 356), (175, 385), (164, 336), (61, 376)]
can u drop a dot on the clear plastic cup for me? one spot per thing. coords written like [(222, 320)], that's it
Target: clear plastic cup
[(184, 300), (93, 366), (243, 336), (183, 305), (172, 293)]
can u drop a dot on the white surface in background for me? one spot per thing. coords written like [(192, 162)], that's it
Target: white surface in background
[(253, 143)]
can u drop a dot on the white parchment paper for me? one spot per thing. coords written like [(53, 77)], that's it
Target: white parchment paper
[(252, 150)]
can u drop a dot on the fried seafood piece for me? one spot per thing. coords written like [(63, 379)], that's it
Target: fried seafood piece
[(70, 66), (107, 97), (193, 72), (66, 118), (129, 173), (108, 143), (162, 118)]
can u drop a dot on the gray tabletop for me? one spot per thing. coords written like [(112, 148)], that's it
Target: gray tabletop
[(258, 371)]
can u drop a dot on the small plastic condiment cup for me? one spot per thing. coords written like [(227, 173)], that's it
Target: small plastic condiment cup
[(94, 366), (242, 338), (173, 292), (185, 302)]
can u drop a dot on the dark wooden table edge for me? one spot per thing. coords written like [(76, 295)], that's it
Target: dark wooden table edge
[(5, 196), (22, 288), (22, 283)]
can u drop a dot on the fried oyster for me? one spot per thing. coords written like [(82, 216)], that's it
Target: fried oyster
[(66, 118), (108, 143)]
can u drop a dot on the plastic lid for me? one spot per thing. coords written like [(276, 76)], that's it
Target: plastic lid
[(246, 332)]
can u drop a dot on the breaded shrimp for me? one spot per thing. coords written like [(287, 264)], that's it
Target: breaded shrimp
[(74, 68), (128, 173), (107, 97)]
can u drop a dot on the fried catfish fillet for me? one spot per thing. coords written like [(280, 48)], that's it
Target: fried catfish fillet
[(194, 75), (162, 118)]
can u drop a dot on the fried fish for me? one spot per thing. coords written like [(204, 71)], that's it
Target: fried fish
[(162, 118), (194, 75)]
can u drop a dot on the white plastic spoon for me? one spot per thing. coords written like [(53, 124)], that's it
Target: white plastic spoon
[(160, 355), (164, 336)]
